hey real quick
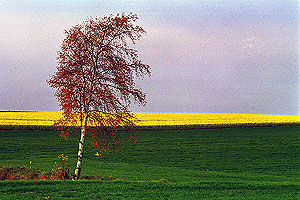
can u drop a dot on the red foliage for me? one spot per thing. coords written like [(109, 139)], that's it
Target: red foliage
[(94, 82)]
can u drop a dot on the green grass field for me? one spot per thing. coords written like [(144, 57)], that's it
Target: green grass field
[(244, 163)]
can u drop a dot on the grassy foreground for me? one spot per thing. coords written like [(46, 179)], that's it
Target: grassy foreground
[(245, 163)]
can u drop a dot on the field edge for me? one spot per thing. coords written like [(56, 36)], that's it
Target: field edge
[(164, 127)]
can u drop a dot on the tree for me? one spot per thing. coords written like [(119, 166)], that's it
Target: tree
[(95, 80)]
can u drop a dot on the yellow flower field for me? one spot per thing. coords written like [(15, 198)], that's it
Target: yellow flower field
[(153, 119)]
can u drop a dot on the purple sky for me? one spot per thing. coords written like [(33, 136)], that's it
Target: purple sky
[(206, 56)]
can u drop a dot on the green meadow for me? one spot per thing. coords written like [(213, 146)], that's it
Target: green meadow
[(231, 163)]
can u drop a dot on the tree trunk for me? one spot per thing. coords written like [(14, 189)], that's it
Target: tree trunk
[(80, 148)]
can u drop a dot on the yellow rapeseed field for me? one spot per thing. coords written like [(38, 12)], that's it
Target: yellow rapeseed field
[(29, 118), (153, 119)]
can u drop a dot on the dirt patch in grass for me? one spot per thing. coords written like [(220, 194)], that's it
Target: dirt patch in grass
[(18, 173), (27, 173)]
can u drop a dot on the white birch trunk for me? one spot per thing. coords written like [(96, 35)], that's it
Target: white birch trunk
[(80, 149)]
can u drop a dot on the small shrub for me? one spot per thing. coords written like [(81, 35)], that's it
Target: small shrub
[(58, 172)]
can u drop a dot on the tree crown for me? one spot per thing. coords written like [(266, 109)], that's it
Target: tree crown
[(96, 66)]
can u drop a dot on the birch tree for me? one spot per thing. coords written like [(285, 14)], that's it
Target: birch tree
[(95, 81)]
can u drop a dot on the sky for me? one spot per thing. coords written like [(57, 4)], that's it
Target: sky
[(217, 56)]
